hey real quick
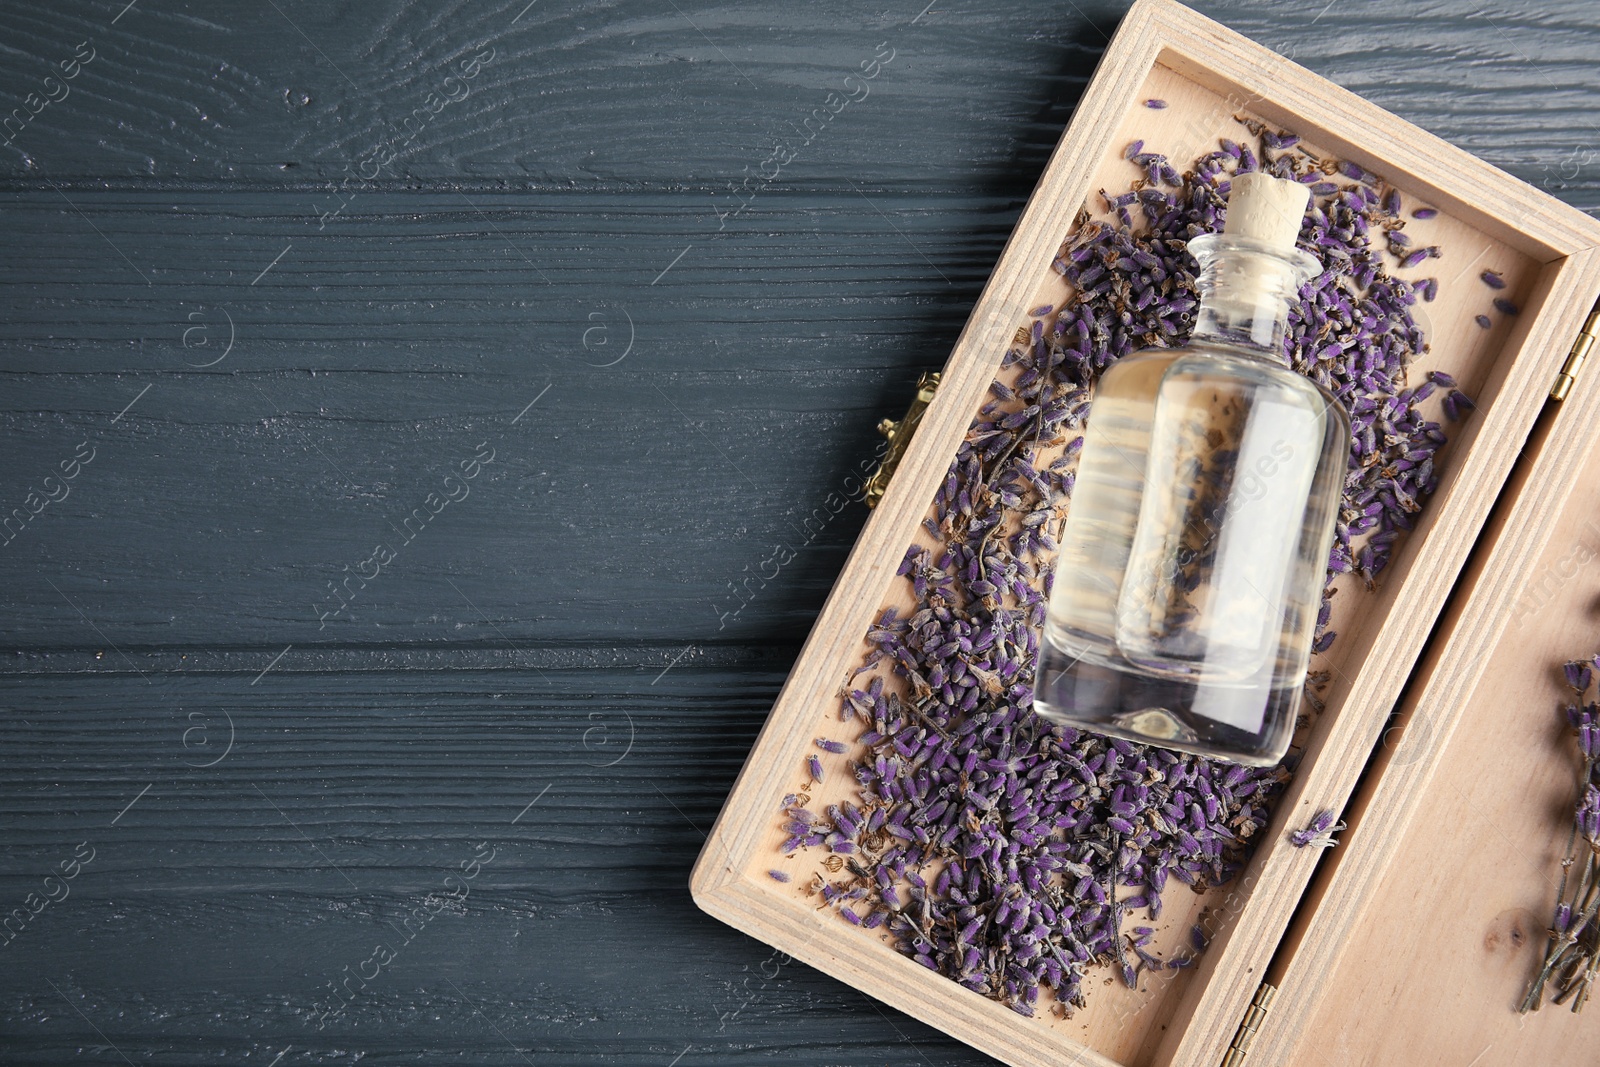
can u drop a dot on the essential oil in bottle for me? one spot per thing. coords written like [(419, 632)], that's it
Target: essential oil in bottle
[(1196, 544)]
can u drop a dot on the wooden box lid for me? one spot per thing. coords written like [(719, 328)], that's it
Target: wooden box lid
[(1430, 920)]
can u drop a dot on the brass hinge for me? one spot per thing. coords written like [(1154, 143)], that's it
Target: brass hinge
[(1587, 338), (1253, 1018), (898, 434)]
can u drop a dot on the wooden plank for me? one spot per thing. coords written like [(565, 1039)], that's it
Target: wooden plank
[(628, 96), (219, 905), (332, 419)]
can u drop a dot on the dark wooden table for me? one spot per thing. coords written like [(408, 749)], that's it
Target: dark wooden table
[(443, 387)]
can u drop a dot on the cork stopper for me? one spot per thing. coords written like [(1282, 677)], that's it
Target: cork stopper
[(1251, 271), (1266, 209)]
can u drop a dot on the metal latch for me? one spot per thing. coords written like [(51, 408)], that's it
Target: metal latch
[(1587, 338), (1254, 1016), (898, 434)]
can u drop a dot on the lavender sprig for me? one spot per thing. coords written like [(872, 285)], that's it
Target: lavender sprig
[(1572, 956)]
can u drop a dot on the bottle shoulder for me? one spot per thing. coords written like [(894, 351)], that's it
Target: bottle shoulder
[(1138, 371), (1224, 364), (1142, 373)]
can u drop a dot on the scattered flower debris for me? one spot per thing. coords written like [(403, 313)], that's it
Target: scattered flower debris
[(1005, 852), (1318, 832)]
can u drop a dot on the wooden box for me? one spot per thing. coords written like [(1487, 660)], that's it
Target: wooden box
[(1381, 917)]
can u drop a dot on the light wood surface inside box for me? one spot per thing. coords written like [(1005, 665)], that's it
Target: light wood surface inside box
[(1429, 921), (1205, 74)]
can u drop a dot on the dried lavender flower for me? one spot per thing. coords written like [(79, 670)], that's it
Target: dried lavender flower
[(1357, 172), (1504, 306), (1482, 320), (1587, 816), (814, 765), (777, 875), (995, 848), (1154, 104), (1492, 279), (1579, 675), (1572, 956), (838, 748), (1424, 213), (1318, 832)]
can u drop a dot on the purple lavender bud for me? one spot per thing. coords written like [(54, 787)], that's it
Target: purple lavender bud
[(1359, 173), (1589, 740), (1579, 675), (836, 747), (1483, 321), (1588, 815), (1154, 104), (1424, 213), (778, 876), (1504, 306), (1318, 831), (814, 765), (1492, 279)]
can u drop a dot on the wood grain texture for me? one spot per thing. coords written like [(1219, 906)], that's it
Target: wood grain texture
[(596, 145)]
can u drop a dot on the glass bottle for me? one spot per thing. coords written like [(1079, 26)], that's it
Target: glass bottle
[(1196, 544)]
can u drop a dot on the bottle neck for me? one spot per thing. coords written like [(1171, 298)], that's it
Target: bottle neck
[(1246, 289)]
